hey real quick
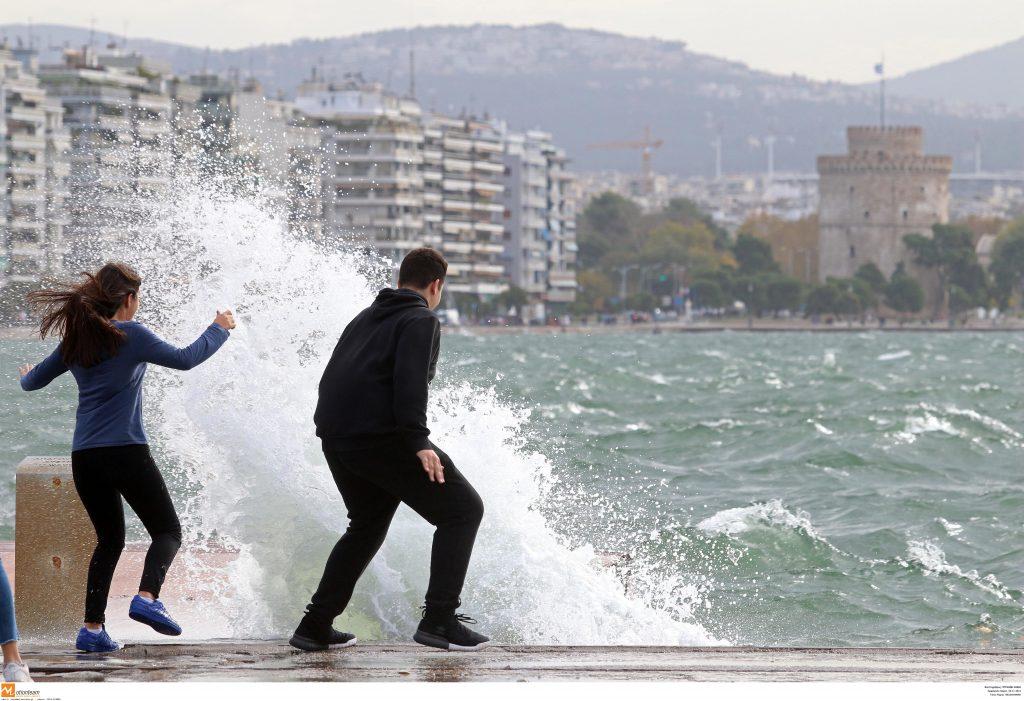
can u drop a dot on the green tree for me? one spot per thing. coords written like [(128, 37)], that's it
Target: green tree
[(949, 249), (753, 255), (1007, 266), (608, 224), (870, 274), (686, 211), (783, 293), (904, 293), (707, 294), (596, 290), (675, 244), (514, 297)]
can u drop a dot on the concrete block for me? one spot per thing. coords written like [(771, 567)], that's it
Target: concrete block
[(54, 540)]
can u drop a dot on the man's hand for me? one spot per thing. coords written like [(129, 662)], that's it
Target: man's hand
[(26, 369), (225, 319), (432, 465)]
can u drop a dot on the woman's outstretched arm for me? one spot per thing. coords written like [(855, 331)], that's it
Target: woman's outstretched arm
[(153, 349), (38, 376)]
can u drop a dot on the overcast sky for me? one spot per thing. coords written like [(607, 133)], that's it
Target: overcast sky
[(825, 39)]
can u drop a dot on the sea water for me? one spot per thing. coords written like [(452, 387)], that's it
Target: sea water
[(786, 489)]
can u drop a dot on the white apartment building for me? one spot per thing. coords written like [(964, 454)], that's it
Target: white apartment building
[(373, 156), (33, 173), (254, 142), (118, 113), (472, 185), (540, 222)]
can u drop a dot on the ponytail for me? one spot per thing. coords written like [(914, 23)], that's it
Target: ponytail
[(82, 314)]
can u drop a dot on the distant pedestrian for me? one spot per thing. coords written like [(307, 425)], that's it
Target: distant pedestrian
[(107, 353)]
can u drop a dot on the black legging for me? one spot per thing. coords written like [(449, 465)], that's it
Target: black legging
[(102, 477), (373, 482)]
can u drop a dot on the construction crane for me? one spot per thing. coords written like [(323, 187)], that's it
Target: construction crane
[(646, 145)]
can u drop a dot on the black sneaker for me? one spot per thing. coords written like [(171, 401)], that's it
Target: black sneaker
[(446, 631), (313, 643)]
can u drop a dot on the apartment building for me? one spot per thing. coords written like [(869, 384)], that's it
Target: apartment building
[(33, 173), (235, 132), (471, 189), (373, 186), (118, 113), (540, 222)]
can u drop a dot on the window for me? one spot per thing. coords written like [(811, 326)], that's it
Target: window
[(867, 214), (853, 252)]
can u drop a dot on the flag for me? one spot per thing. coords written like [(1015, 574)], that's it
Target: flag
[(879, 68)]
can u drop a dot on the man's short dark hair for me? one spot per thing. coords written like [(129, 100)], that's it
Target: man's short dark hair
[(420, 267)]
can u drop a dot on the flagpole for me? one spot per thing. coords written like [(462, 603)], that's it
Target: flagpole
[(881, 90)]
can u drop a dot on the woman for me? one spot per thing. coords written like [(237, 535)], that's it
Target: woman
[(107, 354)]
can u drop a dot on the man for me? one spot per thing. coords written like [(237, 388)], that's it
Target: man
[(372, 420)]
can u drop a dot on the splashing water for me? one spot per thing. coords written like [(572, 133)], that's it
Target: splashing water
[(235, 437)]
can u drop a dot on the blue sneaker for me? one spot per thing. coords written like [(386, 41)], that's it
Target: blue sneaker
[(154, 615), (98, 641)]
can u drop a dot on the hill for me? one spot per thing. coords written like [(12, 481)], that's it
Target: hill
[(589, 86)]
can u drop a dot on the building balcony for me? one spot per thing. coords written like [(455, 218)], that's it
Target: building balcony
[(488, 167), (17, 168), (488, 207), (453, 185), (488, 146), (458, 165), (457, 247), (452, 143), (488, 269), (27, 115), (489, 227), (489, 188), (20, 141), (560, 295), (457, 227)]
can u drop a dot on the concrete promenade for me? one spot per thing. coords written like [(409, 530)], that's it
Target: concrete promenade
[(248, 660)]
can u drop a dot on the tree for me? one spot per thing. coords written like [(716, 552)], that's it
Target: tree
[(514, 297), (596, 290), (1007, 266), (707, 294), (674, 244), (753, 255), (949, 248), (904, 293), (784, 293), (608, 223), (686, 211), (874, 278)]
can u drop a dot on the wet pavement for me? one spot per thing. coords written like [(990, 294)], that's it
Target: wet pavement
[(247, 660)]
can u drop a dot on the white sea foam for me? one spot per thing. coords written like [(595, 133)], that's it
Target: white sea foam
[(769, 513), (237, 435), (896, 355), (932, 559)]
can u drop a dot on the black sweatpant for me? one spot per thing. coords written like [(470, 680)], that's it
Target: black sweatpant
[(102, 477), (372, 483)]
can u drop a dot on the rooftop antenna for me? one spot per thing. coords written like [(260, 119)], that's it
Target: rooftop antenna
[(412, 73), (880, 71), (92, 31), (977, 152)]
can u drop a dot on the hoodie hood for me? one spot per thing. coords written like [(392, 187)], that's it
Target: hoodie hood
[(391, 301)]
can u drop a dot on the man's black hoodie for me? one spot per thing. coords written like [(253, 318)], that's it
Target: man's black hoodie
[(374, 389)]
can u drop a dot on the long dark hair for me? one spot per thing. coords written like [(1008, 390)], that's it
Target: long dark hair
[(81, 314)]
